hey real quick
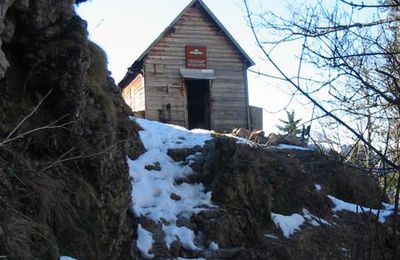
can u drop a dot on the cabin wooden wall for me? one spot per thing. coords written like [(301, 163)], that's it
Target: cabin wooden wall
[(256, 118), (133, 94), (165, 87)]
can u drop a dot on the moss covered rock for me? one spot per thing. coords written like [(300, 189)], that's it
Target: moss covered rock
[(64, 140)]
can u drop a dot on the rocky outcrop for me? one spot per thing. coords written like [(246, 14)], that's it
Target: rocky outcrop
[(250, 184), (283, 202), (64, 139)]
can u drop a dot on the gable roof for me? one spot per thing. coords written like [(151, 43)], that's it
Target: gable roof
[(136, 66), (213, 17)]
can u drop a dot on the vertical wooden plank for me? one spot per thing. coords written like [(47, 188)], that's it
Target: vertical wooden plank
[(185, 105), (164, 60)]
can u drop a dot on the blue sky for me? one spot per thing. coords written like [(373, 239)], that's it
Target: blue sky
[(126, 29)]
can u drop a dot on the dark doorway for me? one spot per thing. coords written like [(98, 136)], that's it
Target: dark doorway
[(198, 103)]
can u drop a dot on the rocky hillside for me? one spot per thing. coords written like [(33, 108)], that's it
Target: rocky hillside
[(201, 195), (79, 178), (64, 139)]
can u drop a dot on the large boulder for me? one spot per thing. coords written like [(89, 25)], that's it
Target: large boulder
[(276, 139), (258, 137)]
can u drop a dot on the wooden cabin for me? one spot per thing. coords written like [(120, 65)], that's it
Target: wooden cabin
[(193, 75)]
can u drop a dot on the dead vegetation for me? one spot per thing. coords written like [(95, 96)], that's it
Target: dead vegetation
[(64, 139), (248, 183)]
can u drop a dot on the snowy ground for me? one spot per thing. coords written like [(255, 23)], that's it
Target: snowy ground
[(156, 194), (291, 224), (382, 214), (155, 191), (66, 258)]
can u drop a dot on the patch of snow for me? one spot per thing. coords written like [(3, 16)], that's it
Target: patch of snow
[(240, 140), (144, 242), (184, 258), (66, 258), (342, 205), (271, 236), (185, 235), (288, 224), (291, 147), (388, 206), (345, 252), (314, 220), (156, 135), (152, 190), (385, 212), (317, 187), (213, 246), (193, 158)]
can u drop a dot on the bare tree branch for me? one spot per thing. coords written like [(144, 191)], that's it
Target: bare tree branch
[(317, 104)]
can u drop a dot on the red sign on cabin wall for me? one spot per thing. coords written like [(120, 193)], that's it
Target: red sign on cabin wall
[(196, 57)]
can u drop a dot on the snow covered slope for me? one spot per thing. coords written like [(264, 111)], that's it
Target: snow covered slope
[(156, 193), (241, 198)]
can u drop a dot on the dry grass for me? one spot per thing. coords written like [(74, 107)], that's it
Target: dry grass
[(97, 82), (36, 203)]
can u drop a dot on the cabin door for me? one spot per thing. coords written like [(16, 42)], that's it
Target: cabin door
[(198, 103)]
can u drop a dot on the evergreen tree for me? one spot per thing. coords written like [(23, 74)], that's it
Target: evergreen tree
[(290, 126)]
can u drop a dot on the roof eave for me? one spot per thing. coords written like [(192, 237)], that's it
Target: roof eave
[(248, 61), (237, 45), (165, 31)]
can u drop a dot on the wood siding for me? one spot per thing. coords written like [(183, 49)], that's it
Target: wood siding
[(256, 118), (165, 89), (133, 94)]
